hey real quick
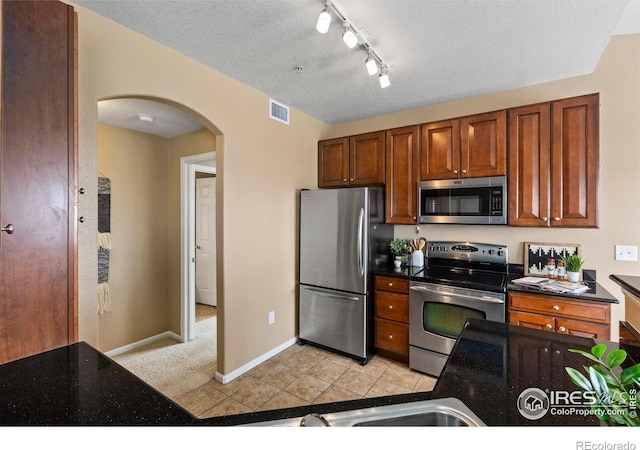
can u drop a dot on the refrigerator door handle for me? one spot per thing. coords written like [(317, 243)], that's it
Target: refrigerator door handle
[(327, 294), (360, 241)]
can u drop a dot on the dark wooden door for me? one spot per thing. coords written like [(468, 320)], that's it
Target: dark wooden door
[(574, 166), (333, 163), (37, 185), (529, 165), (367, 159), (440, 150), (401, 172), (483, 145)]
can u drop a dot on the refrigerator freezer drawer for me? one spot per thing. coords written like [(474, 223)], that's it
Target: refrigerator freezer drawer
[(334, 319)]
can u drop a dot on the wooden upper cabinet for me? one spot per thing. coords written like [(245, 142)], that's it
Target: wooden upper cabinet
[(367, 159), (440, 150), (401, 175), (333, 162), (574, 164), (472, 146), (529, 165), (553, 163), (352, 161), (483, 140)]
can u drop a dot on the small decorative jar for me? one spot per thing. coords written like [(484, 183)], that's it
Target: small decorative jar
[(551, 268), (561, 271)]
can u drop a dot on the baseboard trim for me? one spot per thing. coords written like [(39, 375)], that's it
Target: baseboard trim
[(142, 343), (224, 379)]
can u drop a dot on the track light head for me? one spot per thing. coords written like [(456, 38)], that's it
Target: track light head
[(348, 36), (384, 77), (371, 65), (324, 20)]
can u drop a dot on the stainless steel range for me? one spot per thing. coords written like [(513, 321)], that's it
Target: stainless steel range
[(461, 280)]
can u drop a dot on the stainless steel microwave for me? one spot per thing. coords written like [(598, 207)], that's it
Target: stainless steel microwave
[(480, 201)]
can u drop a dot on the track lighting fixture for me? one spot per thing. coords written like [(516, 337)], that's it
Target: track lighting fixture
[(371, 65), (384, 77), (348, 36), (352, 36), (324, 20)]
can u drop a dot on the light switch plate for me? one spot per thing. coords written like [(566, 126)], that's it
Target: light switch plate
[(626, 253)]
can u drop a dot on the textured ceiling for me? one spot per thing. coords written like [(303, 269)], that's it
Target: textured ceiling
[(437, 50)]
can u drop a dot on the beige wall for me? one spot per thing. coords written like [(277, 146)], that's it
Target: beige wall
[(617, 79), (136, 164), (144, 276), (260, 165)]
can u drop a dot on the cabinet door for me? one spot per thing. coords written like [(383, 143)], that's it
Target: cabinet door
[(333, 162), (392, 336), (440, 150), (583, 329), (367, 159), (38, 283), (483, 147), (401, 173), (574, 167), (536, 321), (529, 171), (392, 306)]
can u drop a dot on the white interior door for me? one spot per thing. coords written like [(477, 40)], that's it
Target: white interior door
[(206, 241)]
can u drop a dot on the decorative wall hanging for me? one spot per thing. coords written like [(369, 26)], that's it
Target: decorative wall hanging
[(104, 243), (538, 254)]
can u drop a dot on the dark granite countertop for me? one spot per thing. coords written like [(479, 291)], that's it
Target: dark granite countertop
[(628, 282), (491, 364), (596, 291)]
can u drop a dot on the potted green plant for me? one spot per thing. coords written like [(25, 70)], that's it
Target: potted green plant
[(573, 263), (400, 249), (614, 389)]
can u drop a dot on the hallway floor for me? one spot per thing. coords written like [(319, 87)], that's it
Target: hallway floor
[(302, 375)]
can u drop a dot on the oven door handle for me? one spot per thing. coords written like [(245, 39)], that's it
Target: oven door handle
[(456, 294)]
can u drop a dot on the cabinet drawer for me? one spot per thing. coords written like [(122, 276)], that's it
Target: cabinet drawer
[(392, 284), (392, 336), (529, 320), (393, 306), (583, 329), (556, 306)]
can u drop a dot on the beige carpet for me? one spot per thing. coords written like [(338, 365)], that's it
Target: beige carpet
[(176, 368)]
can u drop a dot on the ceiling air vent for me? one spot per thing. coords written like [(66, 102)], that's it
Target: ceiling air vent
[(278, 111)]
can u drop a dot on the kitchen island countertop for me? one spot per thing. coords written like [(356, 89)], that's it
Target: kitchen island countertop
[(491, 364)]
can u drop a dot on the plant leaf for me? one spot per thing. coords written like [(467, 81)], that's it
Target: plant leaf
[(586, 355), (578, 379), (630, 374), (615, 358), (611, 381), (598, 382), (598, 350)]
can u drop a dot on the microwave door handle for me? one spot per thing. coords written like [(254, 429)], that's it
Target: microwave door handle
[(455, 294), (360, 238)]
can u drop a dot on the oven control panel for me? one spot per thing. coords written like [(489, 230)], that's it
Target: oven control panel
[(467, 251)]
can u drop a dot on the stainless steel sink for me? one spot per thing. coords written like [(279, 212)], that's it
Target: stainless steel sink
[(447, 412)]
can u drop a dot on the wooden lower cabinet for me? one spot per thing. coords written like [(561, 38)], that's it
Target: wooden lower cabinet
[(552, 313), (392, 317)]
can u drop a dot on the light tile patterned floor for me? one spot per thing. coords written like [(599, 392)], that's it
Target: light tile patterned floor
[(304, 375)]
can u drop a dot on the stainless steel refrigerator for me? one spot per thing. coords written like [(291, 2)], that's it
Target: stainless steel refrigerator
[(342, 239)]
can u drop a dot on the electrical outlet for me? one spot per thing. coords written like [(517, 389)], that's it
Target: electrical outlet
[(272, 317), (626, 253)]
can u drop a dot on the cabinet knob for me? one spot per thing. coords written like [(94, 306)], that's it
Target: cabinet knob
[(9, 229), (557, 219), (455, 171), (345, 180), (556, 308), (544, 219), (464, 170), (390, 336), (390, 284), (351, 179), (548, 326), (390, 306), (562, 329)]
